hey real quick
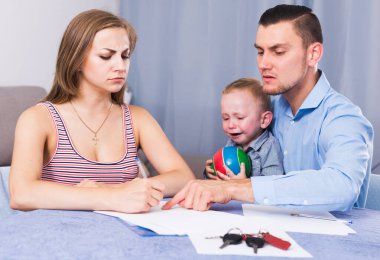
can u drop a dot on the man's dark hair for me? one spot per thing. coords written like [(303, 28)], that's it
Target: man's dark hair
[(306, 24)]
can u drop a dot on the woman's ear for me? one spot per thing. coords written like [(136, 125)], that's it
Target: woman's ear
[(266, 119)]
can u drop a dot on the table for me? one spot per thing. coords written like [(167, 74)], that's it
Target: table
[(58, 234)]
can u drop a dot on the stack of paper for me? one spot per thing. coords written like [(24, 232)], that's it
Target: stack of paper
[(199, 225)]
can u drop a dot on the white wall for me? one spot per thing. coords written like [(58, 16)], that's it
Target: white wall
[(30, 33)]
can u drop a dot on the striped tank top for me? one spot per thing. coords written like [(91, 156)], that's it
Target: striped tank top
[(67, 166)]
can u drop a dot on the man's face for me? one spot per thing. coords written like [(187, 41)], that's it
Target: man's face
[(281, 58)]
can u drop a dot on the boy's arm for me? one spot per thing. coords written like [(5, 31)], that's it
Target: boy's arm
[(271, 157)]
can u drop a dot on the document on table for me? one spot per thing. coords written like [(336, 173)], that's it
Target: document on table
[(200, 224), (180, 221), (295, 220)]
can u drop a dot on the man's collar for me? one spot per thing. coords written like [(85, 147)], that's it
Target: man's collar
[(317, 94), (312, 100)]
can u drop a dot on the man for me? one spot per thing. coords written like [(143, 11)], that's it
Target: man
[(326, 141)]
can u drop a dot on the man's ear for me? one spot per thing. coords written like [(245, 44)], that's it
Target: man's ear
[(314, 53), (266, 119)]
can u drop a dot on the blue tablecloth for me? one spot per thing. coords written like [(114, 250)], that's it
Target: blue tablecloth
[(57, 234)]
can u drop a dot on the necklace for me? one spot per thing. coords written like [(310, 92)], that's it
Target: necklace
[(95, 138)]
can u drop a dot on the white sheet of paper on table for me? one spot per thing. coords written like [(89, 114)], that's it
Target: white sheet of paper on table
[(277, 217), (198, 225), (179, 221)]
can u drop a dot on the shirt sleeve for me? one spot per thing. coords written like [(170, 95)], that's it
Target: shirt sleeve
[(345, 151)]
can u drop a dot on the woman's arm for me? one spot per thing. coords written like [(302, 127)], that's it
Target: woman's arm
[(173, 170), (35, 132)]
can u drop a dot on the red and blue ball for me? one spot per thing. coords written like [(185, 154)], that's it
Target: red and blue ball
[(232, 157)]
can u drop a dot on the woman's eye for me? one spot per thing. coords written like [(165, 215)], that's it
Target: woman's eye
[(125, 57), (105, 57)]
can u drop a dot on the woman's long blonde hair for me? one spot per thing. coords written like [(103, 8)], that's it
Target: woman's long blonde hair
[(75, 43)]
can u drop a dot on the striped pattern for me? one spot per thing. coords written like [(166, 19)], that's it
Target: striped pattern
[(68, 167)]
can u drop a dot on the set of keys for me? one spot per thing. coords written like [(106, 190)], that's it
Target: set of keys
[(255, 241)]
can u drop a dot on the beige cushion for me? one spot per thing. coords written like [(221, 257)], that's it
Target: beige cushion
[(13, 101)]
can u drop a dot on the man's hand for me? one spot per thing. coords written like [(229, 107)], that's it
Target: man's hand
[(200, 194)]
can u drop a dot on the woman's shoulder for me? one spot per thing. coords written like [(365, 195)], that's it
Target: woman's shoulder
[(35, 115), (138, 111)]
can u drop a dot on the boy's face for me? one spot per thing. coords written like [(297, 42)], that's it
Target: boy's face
[(241, 117), (281, 57)]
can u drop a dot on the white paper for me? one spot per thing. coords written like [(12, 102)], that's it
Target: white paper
[(179, 221), (200, 224), (281, 218), (211, 246)]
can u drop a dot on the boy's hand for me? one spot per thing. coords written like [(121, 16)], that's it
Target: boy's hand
[(231, 176), (210, 171)]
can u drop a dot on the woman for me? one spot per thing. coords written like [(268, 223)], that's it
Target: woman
[(78, 149)]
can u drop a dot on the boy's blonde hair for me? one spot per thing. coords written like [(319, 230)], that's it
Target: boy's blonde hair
[(254, 87)]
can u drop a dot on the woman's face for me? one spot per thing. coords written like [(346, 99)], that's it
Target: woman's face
[(106, 64)]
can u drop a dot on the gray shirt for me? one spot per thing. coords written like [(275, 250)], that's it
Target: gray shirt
[(265, 154)]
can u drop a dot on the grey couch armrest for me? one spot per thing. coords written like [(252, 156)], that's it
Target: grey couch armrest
[(13, 101)]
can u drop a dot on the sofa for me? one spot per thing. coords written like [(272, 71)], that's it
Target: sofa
[(13, 101)]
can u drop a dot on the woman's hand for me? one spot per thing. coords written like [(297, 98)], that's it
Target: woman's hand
[(138, 195), (90, 184)]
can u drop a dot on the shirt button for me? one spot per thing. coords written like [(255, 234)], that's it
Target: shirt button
[(292, 122), (285, 152), (305, 202), (266, 201)]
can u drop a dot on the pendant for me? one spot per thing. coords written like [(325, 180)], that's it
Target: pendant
[(95, 139)]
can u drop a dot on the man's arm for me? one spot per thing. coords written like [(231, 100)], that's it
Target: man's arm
[(344, 152)]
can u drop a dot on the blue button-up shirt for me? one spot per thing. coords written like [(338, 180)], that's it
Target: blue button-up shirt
[(327, 147)]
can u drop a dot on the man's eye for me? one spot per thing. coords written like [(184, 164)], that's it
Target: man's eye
[(279, 53), (260, 53)]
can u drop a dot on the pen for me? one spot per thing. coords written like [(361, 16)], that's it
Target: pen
[(323, 218), (142, 170)]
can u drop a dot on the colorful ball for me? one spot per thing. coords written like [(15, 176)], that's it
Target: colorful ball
[(232, 157)]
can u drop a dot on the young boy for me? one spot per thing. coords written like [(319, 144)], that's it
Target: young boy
[(246, 114)]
